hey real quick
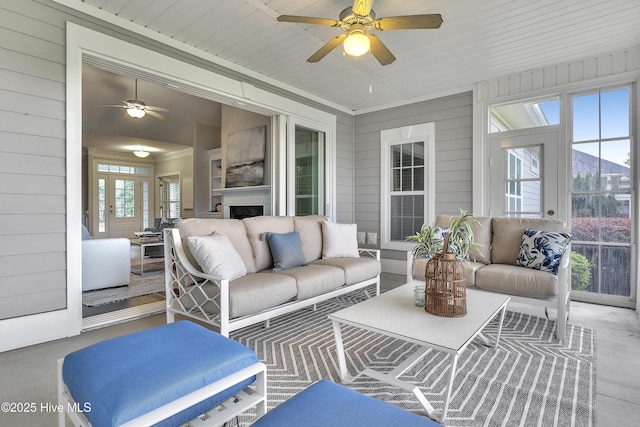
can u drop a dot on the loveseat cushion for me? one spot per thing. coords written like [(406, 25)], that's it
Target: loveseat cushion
[(310, 230), (418, 270), (481, 252), (232, 228), (255, 227), (355, 269), (513, 280), (314, 280), (507, 236)]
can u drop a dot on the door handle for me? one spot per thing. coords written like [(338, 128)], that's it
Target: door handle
[(111, 209), (551, 212)]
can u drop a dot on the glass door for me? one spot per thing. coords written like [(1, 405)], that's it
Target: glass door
[(309, 172), (524, 173), (309, 169)]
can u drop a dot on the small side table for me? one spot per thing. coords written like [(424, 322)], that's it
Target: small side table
[(144, 244)]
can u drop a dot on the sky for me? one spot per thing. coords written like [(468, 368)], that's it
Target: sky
[(597, 115)]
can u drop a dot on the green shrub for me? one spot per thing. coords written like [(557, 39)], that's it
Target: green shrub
[(580, 272)]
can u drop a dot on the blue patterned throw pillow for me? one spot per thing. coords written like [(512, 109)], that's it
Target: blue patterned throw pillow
[(542, 250)]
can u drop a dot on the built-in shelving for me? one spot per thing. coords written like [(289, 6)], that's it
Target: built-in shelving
[(216, 182)]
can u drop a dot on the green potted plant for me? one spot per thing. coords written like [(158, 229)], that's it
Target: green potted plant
[(429, 242), (461, 235)]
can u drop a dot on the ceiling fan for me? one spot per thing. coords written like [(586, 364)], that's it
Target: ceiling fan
[(357, 22), (138, 109)]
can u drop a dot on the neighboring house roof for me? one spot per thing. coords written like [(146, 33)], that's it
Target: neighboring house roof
[(583, 163)]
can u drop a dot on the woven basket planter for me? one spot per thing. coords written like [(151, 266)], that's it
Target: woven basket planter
[(446, 285)]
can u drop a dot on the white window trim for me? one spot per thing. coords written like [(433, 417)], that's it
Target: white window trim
[(424, 132)]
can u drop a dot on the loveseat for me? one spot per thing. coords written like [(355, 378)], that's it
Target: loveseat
[(232, 273), (492, 263)]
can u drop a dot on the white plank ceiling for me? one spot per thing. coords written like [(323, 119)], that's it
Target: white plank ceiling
[(478, 40)]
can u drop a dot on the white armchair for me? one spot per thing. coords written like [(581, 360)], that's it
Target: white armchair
[(106, 263)]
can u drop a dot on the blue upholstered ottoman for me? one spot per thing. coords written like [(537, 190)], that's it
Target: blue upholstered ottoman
[(163, 376), (328, 404)]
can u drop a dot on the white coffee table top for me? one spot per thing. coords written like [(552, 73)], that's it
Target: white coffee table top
[(394, 313)]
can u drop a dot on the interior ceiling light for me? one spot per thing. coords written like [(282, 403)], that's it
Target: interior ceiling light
[(356, 43), (141, 153)]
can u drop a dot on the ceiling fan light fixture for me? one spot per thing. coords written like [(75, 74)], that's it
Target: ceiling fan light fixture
[(135, 112), (356, 43), (141, 153)]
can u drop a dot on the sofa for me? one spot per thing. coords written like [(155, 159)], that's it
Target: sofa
[(232, 273), (492, 263), (106, 263)]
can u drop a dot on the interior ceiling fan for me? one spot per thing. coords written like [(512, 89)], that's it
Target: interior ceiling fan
[(138, 109), (357, 22)]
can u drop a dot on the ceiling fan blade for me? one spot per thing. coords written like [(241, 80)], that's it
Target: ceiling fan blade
[(324, 50), (411, 22), (157, 115), (308, 20), (151, 107), (362, 7), (380, 51), (113, 105)]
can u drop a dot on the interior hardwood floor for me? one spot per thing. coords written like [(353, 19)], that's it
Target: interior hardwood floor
[(29, 374)]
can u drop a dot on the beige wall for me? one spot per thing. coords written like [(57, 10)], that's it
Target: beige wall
[(234, 120)]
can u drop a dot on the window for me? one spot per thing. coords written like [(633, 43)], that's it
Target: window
[(170, 196), (123, 169), (524, 115), (601, 194), (407, 183), (125, 198)]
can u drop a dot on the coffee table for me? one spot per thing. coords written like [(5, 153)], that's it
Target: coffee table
[(145, 243), (394, 314)]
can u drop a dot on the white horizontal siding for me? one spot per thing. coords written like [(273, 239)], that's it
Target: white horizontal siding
[(453, 149), (32, 162)]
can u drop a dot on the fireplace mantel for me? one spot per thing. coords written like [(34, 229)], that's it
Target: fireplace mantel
[(258, 195)]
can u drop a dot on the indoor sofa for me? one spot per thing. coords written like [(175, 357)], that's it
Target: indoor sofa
[(106, 263), (492, 264), (232, 273)]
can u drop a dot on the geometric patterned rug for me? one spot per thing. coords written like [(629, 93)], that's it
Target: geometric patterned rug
[(530, 379)]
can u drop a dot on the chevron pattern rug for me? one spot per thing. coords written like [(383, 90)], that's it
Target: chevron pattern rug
[(530, 379)]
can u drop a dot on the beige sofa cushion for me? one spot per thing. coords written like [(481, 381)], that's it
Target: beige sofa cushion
[(255, 228), (507, 236), (314, 280), (481, 236), (259, 291), (355, 269), (513, 280), (232, 228), (247, 295), (419, 266), (310, 230)]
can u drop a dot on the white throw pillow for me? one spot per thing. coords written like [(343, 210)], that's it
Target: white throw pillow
[(217, 256), (339, 240)]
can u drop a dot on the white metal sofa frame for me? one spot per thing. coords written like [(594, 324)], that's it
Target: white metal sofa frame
[(255, 395), (182, 278)]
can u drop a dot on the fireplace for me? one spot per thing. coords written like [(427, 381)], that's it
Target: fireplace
[(246, 202), (240, 212)]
